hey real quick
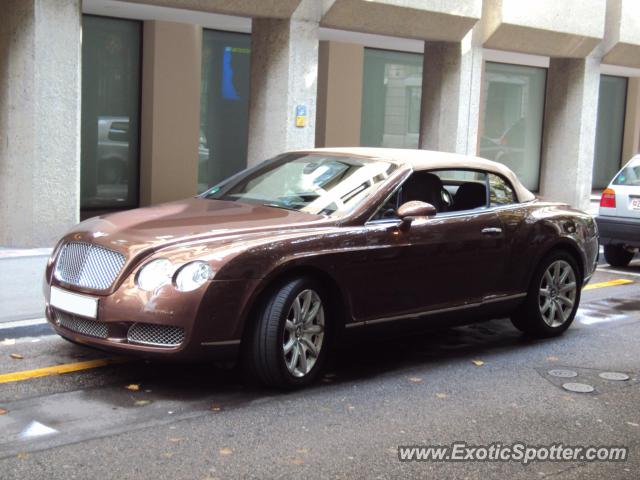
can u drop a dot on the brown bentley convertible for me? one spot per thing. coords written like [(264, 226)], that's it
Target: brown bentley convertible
[(272, 264)]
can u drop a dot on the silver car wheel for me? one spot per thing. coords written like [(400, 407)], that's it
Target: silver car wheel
[(303, 333), (557, 296)]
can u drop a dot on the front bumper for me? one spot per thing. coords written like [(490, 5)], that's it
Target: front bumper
[(619, 230), (204, 324)]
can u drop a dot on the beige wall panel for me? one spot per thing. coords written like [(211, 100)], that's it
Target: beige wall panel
[(170, 111), (339, 94)]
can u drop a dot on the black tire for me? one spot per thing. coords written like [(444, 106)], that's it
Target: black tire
[(263, 355), (528, 318), (617, 255)]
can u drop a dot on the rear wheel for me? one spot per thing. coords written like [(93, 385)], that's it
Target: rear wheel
[(553, 297), (288, 344), (617, 255)]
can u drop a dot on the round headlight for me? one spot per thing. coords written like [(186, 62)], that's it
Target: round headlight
[(154, 274), (192, 275)]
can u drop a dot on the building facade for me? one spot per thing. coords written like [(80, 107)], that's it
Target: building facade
[(108, 105)]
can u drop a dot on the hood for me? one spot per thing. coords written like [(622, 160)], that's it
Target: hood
[(186, 220)]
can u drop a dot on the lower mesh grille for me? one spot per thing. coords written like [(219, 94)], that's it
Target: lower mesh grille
[(156, 335), (84, 326)]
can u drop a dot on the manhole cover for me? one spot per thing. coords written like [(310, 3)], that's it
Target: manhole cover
[(578, 387), (614, 376), (563, 373)]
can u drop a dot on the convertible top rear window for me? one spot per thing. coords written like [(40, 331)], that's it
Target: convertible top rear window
[(318, 184)]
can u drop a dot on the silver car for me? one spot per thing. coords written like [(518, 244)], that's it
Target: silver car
[(619, 216)]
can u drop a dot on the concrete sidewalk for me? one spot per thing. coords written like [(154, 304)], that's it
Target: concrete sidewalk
[(21, 277)]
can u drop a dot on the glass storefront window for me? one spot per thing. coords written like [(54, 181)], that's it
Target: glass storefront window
[(110, 112), (609, 129), (224, 106), (391, 91), (513, 114)]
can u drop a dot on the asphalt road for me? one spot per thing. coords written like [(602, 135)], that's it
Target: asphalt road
[(201, 422)]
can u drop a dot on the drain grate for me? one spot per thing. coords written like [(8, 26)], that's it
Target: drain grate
[(588, 380)]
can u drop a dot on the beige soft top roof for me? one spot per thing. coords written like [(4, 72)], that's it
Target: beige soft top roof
[(432, 160)]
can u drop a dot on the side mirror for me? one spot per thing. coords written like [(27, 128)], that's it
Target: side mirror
[(410, 210)]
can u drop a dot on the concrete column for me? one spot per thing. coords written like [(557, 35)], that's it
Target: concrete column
[(284, 72), (451, 88), (39, 120), (170, 119), (631, 141), (340, 70), (568, 139)]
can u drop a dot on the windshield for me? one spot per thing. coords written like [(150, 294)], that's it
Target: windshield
[(630, 175), (312, 183)]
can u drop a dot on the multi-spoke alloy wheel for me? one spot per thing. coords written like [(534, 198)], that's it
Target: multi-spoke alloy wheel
[(557, 293), (553, 297), (303, 333), (290, 338)]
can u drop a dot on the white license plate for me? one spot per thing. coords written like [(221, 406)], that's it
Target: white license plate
[(75, 303), (634, 203)]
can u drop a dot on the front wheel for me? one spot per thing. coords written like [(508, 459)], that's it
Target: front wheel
[(617, 255), (288, 343), (552, 299)]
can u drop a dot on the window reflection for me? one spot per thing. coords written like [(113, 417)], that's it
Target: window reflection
[(513, 114), (609, 130), (392, 87), (110, 112), (224, 106)]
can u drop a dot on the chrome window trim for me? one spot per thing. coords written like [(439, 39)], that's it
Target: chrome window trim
[(459, 213), (425, 313)]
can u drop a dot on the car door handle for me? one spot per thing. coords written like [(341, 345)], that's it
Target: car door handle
[(491, 230)]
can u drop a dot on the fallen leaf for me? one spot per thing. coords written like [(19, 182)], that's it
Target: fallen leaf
[(633, 424), (22, 455), (441, 395), (16, 356), (134, 387), (568, 398), (216, 408), (3, 411), (477, 363), (297, 461), (225, 451), (552, 358), (414, 379), (167, 454), (9, 341), (175, 439), (302, 450), (140, 403)]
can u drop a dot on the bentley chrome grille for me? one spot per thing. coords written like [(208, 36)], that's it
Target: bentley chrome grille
[(88, 265), (84, 326), (156, 335)]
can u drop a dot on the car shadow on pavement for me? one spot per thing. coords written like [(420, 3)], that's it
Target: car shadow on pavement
[(351, 361)]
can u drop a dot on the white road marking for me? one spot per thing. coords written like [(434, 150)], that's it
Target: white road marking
[(22, 323), (36, 429), (9, 342), (618, 272)]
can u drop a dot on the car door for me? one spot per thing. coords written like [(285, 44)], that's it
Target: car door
[(452, 260)]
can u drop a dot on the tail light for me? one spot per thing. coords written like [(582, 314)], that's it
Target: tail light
[(608, 198)]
